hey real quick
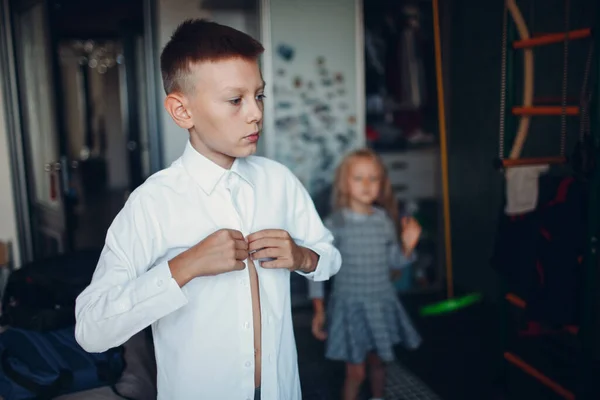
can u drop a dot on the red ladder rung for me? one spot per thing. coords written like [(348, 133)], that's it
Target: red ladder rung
[(545, 110), (520, 162), (552, 38)]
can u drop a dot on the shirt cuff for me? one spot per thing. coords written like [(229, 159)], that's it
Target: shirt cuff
[(327, 266), (158, 281)]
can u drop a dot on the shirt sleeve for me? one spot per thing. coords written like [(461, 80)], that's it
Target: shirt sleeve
[(307, 230), (397, 258), (129, 290), (316, 289)]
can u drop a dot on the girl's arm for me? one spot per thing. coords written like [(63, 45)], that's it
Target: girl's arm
[(315, 292), (403, 254)]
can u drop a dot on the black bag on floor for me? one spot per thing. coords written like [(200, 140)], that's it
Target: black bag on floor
[(43, 365), (41, 295)]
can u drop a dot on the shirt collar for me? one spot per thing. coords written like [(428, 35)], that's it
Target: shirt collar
[(207, 174)]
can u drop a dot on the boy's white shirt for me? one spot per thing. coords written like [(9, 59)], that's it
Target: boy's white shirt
[(203, 332)]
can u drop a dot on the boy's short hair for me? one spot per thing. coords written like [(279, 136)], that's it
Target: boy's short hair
[(198, 40)]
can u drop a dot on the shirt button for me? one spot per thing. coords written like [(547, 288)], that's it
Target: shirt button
[(248, 364), (159, 282), (246, 325)]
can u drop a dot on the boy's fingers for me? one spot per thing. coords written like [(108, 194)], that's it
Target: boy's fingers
[(241, 244), (235, 234), (272, 233), (263, 243)]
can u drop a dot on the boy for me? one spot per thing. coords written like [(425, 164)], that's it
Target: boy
[(203, 250)]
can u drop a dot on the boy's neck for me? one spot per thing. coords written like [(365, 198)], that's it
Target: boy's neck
[(222, 160)]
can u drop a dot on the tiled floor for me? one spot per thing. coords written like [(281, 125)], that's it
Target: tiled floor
[(322, 379)]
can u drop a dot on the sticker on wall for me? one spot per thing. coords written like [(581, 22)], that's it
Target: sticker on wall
[(298, 82), (312, 117), (286, 52), (284, 105)]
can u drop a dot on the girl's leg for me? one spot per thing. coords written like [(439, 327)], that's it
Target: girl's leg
[(377, 375), (355, 376)]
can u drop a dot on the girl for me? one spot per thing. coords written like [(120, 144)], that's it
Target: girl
[(365, 318)]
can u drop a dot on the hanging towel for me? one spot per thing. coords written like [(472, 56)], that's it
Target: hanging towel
[(522, 188)]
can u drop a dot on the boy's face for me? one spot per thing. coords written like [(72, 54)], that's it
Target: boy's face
[(223, 109)]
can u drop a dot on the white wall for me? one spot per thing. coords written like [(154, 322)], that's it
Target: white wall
[(315, 110), (8, 223), (170, 14)]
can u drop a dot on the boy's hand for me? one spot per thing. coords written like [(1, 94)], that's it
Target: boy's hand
[(277, 244), (318, 323), (411, 233), (222, 251)]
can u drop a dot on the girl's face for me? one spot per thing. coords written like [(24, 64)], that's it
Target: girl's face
[(364, 181)]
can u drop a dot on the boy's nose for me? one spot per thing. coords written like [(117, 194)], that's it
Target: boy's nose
[(255, 113)]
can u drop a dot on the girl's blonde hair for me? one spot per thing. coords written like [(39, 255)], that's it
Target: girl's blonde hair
[(385, 199)]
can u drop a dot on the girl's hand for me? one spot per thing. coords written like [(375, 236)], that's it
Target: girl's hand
[(411, 233), (318, 323)]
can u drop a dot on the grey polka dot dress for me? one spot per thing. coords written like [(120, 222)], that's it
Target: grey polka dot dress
[(363, 313)]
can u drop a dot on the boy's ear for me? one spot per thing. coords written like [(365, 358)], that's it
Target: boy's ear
[(176, 106)]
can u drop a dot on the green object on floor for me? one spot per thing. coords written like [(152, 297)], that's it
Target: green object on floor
[(451, 305)]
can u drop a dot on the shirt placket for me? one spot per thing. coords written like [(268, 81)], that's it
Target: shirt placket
[(244, 296)]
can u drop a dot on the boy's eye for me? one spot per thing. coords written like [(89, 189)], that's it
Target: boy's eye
[(236, 102), (261, 97)]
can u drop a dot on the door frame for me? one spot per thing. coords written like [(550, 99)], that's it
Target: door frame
[(14, 133), (14, 127)]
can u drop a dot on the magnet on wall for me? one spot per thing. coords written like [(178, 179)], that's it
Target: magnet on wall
[(285, 51), (298, 82), (286, 123), (322, 108), (281, 72), (352, 119), (304, 119), (343, 139), (320, 61), (339, 78), (341, 91), (326, 82), (284, 105), (330, 95), (343, 106)]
